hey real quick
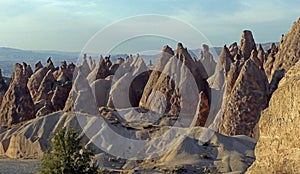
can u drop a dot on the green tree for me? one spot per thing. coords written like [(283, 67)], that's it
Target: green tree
[(68, 155)]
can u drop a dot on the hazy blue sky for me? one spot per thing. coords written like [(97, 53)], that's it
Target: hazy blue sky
[(68, 25)]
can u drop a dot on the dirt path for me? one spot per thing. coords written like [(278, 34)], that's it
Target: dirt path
[(12, 166)]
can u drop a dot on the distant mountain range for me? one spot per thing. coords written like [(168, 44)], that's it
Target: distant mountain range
[(10, 56)]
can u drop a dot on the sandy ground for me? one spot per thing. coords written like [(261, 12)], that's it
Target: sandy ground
[(12, 166)]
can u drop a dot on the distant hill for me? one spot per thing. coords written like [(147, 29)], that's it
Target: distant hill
[(10, 56)]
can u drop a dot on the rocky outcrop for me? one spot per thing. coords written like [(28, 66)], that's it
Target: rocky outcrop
[(246, 98), (17, 105), (176, 87), (38, 66), (100, 89), (81, 98), (162, 60), (233, 49), (127, 91), (3, 87), (101, 71), (44, 95), (207, 60), (277, 150), (217, 80), (261, 53), (268, 65), (50, 64), (247, 44), (202, 112), (288, 54), (35, 81), (198, 146)]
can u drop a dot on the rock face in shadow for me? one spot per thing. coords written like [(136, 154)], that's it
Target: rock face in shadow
[(3, 87), (269, 61), (101, 71), (288, 54), (17, 105), (246, 98), (277, 150), (126, 91), (207, 60)]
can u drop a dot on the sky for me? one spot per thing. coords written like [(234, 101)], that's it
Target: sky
[(69, 25)]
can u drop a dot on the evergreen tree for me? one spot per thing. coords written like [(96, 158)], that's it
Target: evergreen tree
[(68, 155)]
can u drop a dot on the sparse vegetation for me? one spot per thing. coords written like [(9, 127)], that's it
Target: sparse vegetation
[(68, 155)]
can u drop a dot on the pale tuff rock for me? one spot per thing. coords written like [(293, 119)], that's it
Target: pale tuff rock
[(17, 105), (277, 150), (101, 71), (127, 91), (81, 98), (217, 80), (247, 44), (177, 86), (207, 60), (92, 63), (115, 66), (162, 60)]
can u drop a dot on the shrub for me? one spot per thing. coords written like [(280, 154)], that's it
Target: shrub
[(68, 155)]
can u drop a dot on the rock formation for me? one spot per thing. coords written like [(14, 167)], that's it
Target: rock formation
[(101, 71), (202, 112), (38, 66), (247, 98), (288, 54), (50, 64), (217, 80), (81, 98), (35, 80), (207, 60), (101, 89), (127, 91), (3, 87), (247, 44), (17, 105), (268, 65), (177, 82), (277, 150), (44, 95), (233, 49), (261, 53)]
